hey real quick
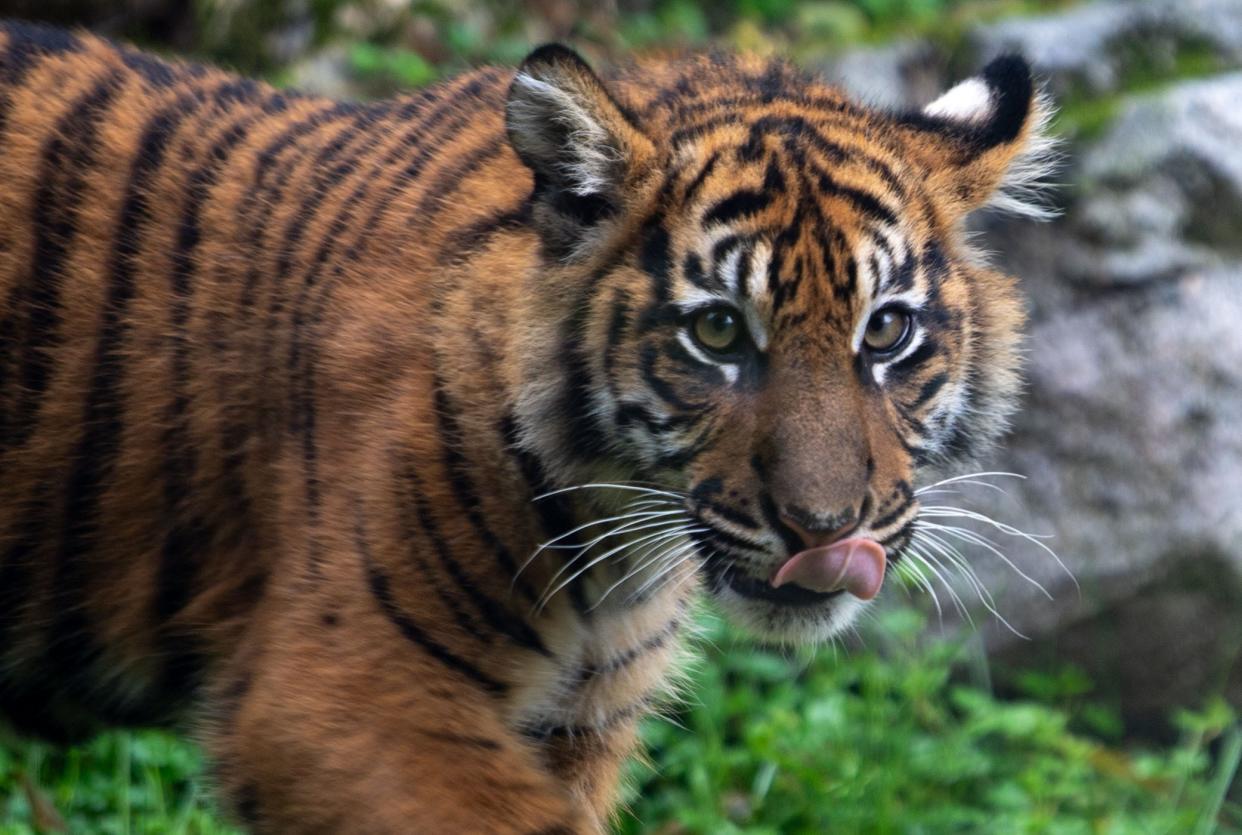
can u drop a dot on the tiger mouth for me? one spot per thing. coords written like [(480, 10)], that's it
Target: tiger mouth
[(725, 573), (789, 594)]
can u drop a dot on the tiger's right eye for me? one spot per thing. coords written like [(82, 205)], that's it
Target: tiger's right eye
[(718, 329)]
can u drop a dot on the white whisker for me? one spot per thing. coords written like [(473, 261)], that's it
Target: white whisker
[(610, 486), (642, 562), (955, 557), (946, 511), (547, 596), (967, 535)]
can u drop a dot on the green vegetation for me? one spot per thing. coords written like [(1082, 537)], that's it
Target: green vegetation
[(896, 741), (892, 740)]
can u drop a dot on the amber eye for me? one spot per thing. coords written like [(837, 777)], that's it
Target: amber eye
[(888, 330), (718, 329)]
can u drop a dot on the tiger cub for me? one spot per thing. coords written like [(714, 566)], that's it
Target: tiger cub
[(385, 445)]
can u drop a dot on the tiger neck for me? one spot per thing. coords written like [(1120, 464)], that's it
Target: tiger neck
[(609, 609)]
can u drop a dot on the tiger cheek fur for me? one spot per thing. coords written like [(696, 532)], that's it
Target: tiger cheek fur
[(385, 446)]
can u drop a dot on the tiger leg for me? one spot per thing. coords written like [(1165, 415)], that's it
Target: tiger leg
[(361, 734)]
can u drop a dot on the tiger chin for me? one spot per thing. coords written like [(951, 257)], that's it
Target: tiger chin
[(385, 447)]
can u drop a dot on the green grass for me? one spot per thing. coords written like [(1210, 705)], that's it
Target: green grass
[(894, 739)]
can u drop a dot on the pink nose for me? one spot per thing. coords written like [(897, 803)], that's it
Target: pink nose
[(819, 537)]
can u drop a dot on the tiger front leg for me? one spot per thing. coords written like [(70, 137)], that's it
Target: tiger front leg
[(316, 731)]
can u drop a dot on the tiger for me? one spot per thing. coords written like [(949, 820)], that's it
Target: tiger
[(387, 447)]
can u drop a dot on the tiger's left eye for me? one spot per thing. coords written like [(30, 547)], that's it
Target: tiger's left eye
[(888, 329), (718, 329)]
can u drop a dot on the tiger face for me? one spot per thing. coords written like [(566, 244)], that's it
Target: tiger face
[(768, 310)]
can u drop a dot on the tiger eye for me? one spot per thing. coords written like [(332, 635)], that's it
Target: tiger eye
[(718, 329), (887, 330)]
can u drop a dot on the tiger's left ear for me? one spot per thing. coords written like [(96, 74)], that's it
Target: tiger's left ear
[(585, 152), (985, 141)]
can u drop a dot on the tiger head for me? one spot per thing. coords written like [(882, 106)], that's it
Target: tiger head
[(755, 295)]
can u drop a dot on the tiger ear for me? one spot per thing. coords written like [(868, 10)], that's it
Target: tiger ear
[(585, 152), (985, 141)]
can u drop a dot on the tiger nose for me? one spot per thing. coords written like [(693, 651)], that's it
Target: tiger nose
[(817, 531)]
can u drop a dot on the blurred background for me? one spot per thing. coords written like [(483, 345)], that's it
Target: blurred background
[(1106, 705)]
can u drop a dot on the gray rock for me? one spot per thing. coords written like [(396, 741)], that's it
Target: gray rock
[(1131, 431), (1092, 48)]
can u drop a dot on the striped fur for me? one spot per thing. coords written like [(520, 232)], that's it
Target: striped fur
[(293, 391)]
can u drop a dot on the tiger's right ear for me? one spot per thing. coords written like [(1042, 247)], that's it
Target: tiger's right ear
[(585, 153)]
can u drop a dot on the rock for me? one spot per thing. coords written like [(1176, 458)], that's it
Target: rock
[(1131, 430), (1093, 48)]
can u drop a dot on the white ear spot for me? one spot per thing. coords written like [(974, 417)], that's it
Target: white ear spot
[(968, 101)]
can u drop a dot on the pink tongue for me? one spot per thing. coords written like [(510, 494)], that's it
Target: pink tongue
[(855, 564)]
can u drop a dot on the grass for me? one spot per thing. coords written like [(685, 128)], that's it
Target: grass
[(895, 739)]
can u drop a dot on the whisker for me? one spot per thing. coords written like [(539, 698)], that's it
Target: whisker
[(610, 486), (948, 511), (938, 569), (641, 562), (677, 557), (913, 572), (968, 573), (967, 535), (547, 596), (968, 477), (624, 518)]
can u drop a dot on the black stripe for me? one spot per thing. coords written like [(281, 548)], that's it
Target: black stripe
[(703, 494), (302, 412), (692, 269), (861, 201), (71, 650), (888, 519), (555, 514), (618, 322), (453, 443), (742, 203), (495, 612), (584, 433), (655, 258), (254, 214), (381, 590), (692, 189), (661, 387), (21, 555), (929, 390), (628, 413), (466, 240), (27, 44), (66, 159), (624, 659), (543, 733), (409, 529), (189, 533), (453, 177), (926, 350)]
